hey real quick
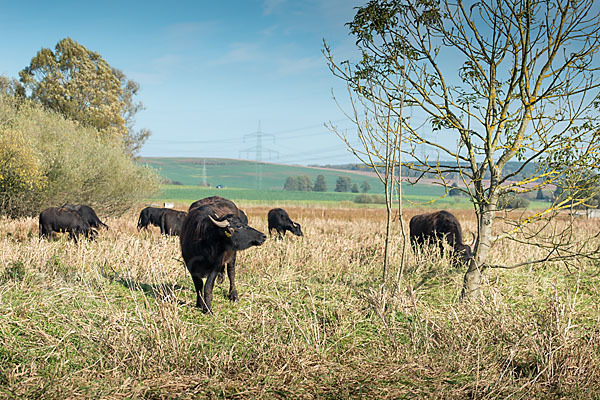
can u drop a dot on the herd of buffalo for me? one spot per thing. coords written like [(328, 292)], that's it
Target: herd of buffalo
[(214, 229)]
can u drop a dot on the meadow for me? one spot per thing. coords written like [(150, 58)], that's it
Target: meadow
[(420, 196), (115, 318), (245, 173)]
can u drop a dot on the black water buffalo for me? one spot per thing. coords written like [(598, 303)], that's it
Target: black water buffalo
[(88, 214), (436, 226), (171, 222), (280, 221), (150, 216), (56, 219), (213, 231)]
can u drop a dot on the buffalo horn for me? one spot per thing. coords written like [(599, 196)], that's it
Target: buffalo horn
[(221, 224)]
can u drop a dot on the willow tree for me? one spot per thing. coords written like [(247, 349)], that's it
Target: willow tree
[(495, 82)]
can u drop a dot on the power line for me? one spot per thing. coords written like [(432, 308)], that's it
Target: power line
[(258, 150)]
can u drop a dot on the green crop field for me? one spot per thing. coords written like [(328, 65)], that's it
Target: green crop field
[(241, 183), (240, 179), (188, 194), (247, 174)]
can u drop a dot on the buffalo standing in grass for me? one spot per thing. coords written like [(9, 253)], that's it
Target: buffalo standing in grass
[(171, 222), (55, 219), (150, 216), (280, 221), (88, 214), (436, 226), (213, 231)]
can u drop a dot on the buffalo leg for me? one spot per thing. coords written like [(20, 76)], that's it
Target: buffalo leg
[(221, 276), (208, 290), (233, 295), (45, 231), (198, 286)]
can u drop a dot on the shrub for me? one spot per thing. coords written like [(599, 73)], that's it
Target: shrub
[(369, 199), (48, 160), (455, 191), (512, 201)]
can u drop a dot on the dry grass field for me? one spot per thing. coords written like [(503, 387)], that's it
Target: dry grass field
[(115, 318)]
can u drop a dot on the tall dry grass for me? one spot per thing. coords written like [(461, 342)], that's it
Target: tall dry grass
[(114, 318)]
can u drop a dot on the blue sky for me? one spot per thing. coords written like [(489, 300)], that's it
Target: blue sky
[(209, 71)]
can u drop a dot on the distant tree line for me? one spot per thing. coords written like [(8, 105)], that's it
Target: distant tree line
[(513, 167), (303, 183), (299, 183)]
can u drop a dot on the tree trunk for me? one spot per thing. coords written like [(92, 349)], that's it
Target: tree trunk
[(472, 280), (388, 226)]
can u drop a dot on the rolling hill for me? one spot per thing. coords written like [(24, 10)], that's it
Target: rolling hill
[(250, 180), (245, 174)]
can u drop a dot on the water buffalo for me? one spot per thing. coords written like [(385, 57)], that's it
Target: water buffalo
[(436, 226), (55, 219), (171, 222), (212, 233), (280, 221), (87, 213), (150, 216)]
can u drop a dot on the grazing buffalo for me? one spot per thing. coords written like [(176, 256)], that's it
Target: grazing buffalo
[(87, 213), (213, 231), (55, 219), (437, 226), (171, 222), (150, 216), (280, 221)]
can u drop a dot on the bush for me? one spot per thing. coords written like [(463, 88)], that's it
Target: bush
[(47, 160), (510, 201), (455, 191), (369, 199)]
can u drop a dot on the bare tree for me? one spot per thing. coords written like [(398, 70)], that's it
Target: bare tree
[(378, 118), (496, 82)]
